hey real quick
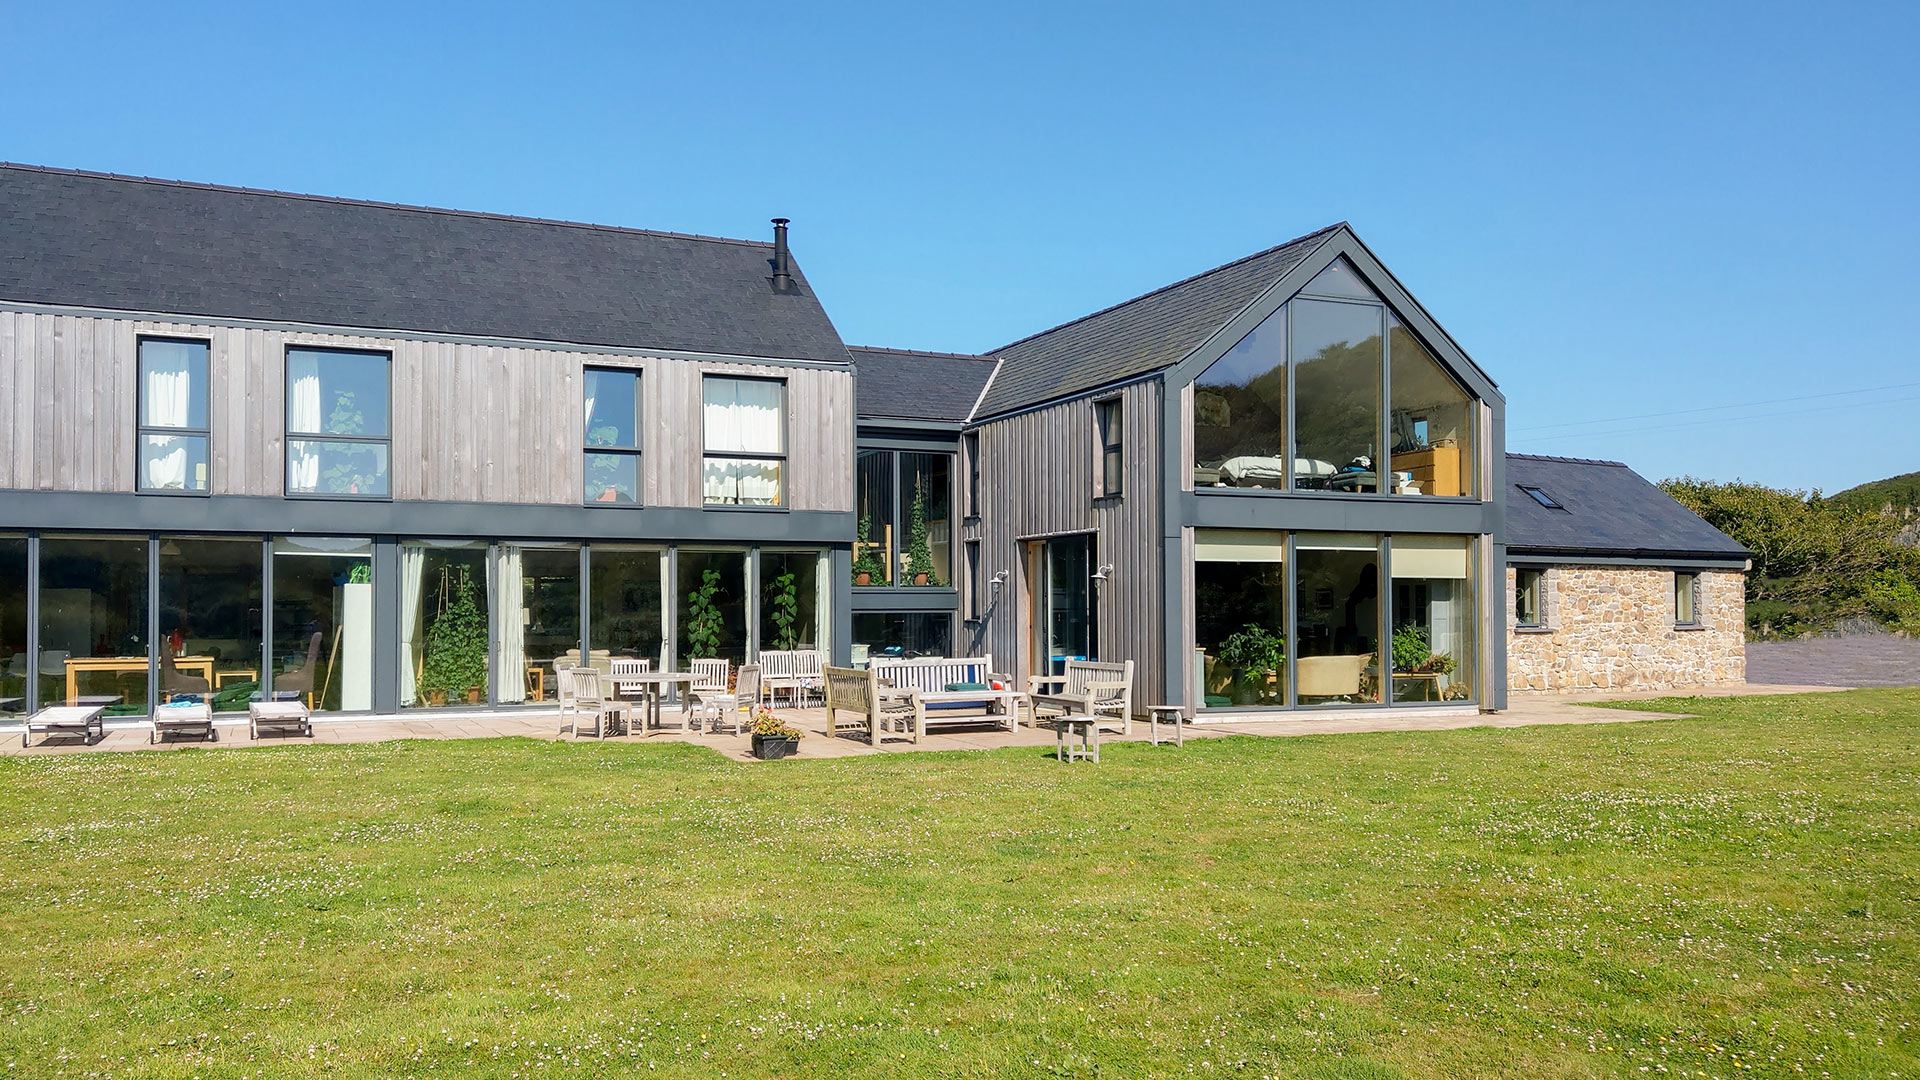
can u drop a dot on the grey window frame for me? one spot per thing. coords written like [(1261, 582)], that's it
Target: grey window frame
[(1691, 578), (637, 451), (1109, 435), (1540, 597), (288, 435), (786, 442), (970, 446), (142, 429)]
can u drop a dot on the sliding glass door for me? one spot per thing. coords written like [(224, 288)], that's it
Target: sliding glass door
[(1062, 602)]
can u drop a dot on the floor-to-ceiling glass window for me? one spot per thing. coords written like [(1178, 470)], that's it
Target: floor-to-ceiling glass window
[(624, 601), (539, 591), (1336, 385), (1337, 614), (17, 671), (1432, 421), (323, 622), (926, 497), (1063, 616), (93, 623), (873, 531), (444, 640), (1240, 617), (900, 634), (794, 600), (712, 605), (1240, 412), (211, 617), (1435, 645)]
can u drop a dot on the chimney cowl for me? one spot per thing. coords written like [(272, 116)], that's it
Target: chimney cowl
[(782, 260)]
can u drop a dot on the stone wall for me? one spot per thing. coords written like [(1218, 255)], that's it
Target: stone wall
[(1611, 628)]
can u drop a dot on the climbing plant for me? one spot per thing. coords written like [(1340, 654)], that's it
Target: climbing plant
[(919, 547), (705, 623), (784, 611), (456, 648)]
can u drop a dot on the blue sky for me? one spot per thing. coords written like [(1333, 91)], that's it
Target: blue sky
[(1681, 236)]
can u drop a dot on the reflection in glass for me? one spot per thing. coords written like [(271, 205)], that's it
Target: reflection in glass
[(712, 606), (16, 667), (1339, 279), (173, 415), (1434, 648), (1431, 422), (893, 634), (793, 598), (612, 410), (444, 645), (93, 623), (211, 617), (742, 481), (1240, 412), (1336, 380), (336, 467), (173, 462), (323, 622), (1337, 618), (337, 395), (543, 624), (927, 556), (873, 532), (1240, 617), (1065, 629), (746, 440), (624, 602)]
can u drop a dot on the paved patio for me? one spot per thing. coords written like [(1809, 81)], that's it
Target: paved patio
[(546, 724)]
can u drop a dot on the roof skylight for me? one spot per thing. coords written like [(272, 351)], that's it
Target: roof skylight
[(1541, 497)]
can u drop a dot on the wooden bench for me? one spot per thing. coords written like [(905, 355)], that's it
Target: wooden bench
[(860, 692), (1098, 688), (930, 676)]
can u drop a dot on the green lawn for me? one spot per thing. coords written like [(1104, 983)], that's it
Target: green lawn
[(1737, 895)]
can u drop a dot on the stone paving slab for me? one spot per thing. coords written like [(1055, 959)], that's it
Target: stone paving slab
[(545, 724)]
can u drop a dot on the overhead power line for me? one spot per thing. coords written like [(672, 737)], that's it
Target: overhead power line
[(1717, 421), (1717, 408)]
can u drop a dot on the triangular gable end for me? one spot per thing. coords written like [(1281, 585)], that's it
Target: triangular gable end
[(1343, 244)]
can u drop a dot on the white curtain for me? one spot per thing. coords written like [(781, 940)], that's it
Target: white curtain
[(743, 416), (413, 568), (168, 400), (303, 461), (823, 606), (509, 605)]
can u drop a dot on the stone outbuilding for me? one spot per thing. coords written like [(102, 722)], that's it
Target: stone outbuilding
[(1613, 585)]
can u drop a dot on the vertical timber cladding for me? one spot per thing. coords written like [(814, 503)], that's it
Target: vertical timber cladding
[(1037, 480), (474, 422)]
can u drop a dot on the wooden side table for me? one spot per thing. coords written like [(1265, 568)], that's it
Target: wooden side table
[(1086, 729), (1173, 714), (222, 678)]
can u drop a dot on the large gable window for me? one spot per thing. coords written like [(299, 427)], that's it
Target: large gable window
[(338, 423), (173, 415), (1333, 393), (746, 441)]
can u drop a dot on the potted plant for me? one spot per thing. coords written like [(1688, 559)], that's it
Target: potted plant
[(783, 610), (867, 566), (705, 623), (919, 548), (456, 648), (1255, 655), (773, 737)]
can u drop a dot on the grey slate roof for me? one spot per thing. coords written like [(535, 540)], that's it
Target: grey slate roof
[(902, 384), (130, 244), (1141, 335), (1610, 511)]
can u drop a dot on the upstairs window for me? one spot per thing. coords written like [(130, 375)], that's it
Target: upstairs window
[(173, 415), (1686, 599), (612, 436), (746, 441), (1107, 429), (972, 442), (338, 423), (1529, 588)]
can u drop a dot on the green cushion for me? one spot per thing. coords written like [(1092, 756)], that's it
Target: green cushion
[(962, 687), (1216, 701)]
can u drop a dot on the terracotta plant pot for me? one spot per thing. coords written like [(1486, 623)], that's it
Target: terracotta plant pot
[(436, 697), (863, 578), (920, 579), (473, 695)]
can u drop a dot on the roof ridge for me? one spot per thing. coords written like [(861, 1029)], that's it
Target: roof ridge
[(922, 352), (1569, 460), (377, 204), (1173, 285)]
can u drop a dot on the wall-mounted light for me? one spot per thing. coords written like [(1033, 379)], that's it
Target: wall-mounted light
[(1105, 571), (999, 579)]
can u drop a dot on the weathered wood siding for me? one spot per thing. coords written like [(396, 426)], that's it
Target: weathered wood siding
[(1037, 481), (471, 422)]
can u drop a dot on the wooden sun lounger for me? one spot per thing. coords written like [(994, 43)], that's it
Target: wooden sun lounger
[(196, 720), (81, 720), (279, 716)]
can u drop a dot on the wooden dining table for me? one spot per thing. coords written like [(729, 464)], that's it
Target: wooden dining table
[(128, 665), (651, 687)]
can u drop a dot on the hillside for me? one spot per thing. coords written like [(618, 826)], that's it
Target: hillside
[(1897, 495)]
